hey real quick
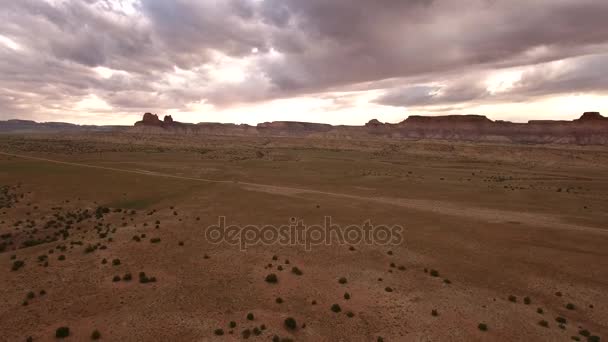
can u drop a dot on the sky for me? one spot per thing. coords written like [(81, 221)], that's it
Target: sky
[(331, 61)]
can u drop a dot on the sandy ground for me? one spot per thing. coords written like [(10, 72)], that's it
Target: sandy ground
[(501, 235)]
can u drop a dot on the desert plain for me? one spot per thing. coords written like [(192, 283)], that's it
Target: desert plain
[(501, 242)]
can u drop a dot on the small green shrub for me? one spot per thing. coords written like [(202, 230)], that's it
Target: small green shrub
[(246, 334), (272, 278), (336, 308), (584, 332), (62, 332), (17, 264), (482, 327), (290, 323), (96, 335)]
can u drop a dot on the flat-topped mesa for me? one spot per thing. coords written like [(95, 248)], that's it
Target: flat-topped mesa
[(295, 126), (448, 119), (168, 119), (591, 116)]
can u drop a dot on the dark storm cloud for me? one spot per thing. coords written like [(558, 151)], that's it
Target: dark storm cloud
[(303, 47), (357, 41)]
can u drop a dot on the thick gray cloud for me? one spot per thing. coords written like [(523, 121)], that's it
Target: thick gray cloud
[(422, 52)]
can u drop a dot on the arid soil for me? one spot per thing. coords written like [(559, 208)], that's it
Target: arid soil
[(501, 242)]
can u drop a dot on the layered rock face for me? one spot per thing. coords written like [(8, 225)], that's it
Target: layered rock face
[(590, 129), (152, 120)]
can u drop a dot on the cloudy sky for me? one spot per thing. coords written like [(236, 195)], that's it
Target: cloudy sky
[(334, 61)]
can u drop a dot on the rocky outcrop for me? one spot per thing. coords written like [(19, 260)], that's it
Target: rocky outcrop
[(590, 128), (591, 117), (152, 121), (292, 128), (373, 123)]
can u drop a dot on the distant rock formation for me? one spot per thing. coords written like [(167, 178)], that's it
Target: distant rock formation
[(590, 128), (152, 120), (591, 117), (373, 123), (28, 126)]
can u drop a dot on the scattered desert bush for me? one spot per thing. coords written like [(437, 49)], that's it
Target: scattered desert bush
[(62, 332), (296, 271), (543, 323), (96, 335), (272, 278), (336, 308), (144, 279), (17, 264), (342, 280), (290, 323), (246, 333), (482, 327)]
